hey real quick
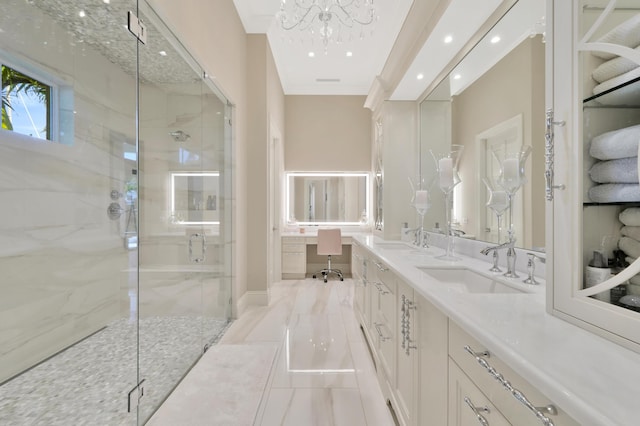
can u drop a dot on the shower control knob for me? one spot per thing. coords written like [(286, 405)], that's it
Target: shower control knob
[(114, 211)]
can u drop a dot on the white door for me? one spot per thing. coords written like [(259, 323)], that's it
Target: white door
[(276, 173)]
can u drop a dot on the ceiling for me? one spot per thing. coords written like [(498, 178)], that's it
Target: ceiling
[(332, 73), (336, 74)]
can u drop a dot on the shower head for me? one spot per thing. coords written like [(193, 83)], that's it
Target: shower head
[(179, 135)]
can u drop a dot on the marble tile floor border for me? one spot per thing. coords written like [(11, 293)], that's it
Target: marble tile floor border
[(88, 383), (224, 388)]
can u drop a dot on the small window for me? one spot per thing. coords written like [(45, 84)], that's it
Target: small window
[(26, 104)]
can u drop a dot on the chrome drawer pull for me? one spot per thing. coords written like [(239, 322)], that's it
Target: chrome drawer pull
[(483, 354), (539, 412), (381, 290), (380, 335), (477, 410), (381, 267)]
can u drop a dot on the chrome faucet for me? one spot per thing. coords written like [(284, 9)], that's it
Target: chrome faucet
[(417, 241), (531, 267), (511, 257)]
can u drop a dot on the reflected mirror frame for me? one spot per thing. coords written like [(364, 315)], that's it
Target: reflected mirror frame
[(366, 175), (173, 194)]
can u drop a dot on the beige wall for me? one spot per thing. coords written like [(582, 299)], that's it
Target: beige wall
[(327, 133), (265, 109), (515, 85)]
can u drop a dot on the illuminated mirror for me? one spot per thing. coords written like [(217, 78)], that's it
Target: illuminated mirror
[(195, 198), (327, 198)]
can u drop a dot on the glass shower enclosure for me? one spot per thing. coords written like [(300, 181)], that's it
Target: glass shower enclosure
[(115, 231)]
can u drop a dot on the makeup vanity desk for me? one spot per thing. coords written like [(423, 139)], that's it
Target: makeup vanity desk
[(300, 258)]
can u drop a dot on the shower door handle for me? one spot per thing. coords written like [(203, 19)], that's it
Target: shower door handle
[(203, 250)]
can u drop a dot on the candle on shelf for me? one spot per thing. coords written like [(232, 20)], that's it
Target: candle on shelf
[(445, 169), (422, 200), (510, 170)]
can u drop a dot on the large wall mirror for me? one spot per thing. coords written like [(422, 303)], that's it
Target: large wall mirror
[(493, 97), (327, 198)]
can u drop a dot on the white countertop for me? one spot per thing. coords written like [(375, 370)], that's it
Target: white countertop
[(597, 382)]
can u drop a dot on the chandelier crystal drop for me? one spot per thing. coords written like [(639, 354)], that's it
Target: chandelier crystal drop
[(331, 20)]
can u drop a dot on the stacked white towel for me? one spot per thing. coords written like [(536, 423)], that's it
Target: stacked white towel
[(617, 171), (629, 242), (618, 70), (630, 216)]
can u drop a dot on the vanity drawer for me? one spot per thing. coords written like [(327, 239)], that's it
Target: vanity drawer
[(293, 248), (386, 343), (386, 297), (467, 404), (383, 272), (477, 366), (293, 245), (294, 263)]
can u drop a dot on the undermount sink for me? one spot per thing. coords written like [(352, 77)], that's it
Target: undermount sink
[(468, 281)]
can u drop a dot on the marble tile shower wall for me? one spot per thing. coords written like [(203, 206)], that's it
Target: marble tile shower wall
[(63, 261)]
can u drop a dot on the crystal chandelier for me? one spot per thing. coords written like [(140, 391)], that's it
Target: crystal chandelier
[(332, 20)]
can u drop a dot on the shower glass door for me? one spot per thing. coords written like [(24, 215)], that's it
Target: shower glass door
[(184, 291), (68, 256), (115, 227)]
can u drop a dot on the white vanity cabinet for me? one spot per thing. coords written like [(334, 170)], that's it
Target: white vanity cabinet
[(592, 130), (406, 355), (468, 405), (421, 359), (517, 400), (294, 257), (432, 337), (361, 298), (383, 317)]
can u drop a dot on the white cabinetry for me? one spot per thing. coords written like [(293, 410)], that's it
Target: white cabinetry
[(383, 310), (294, 257), (467, 404), (519, 402), (432, 337), (406, 366), (359, 265), (427, 365), (599, 102)]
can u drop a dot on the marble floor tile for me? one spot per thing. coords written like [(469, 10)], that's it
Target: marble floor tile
[(224, 388), (322, 373), (315, 353), (314, 407)]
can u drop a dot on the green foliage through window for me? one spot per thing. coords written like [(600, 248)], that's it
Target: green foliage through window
[(26, 104)]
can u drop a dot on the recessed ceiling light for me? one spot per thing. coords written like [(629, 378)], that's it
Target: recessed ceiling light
[(448, 39), (312, 54), (495, 39), (457, 77), (162, 53), (106, 1), (349, 54), (420, 76), (82, 14)]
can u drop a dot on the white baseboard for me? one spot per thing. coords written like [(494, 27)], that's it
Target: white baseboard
[(252, 298)]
